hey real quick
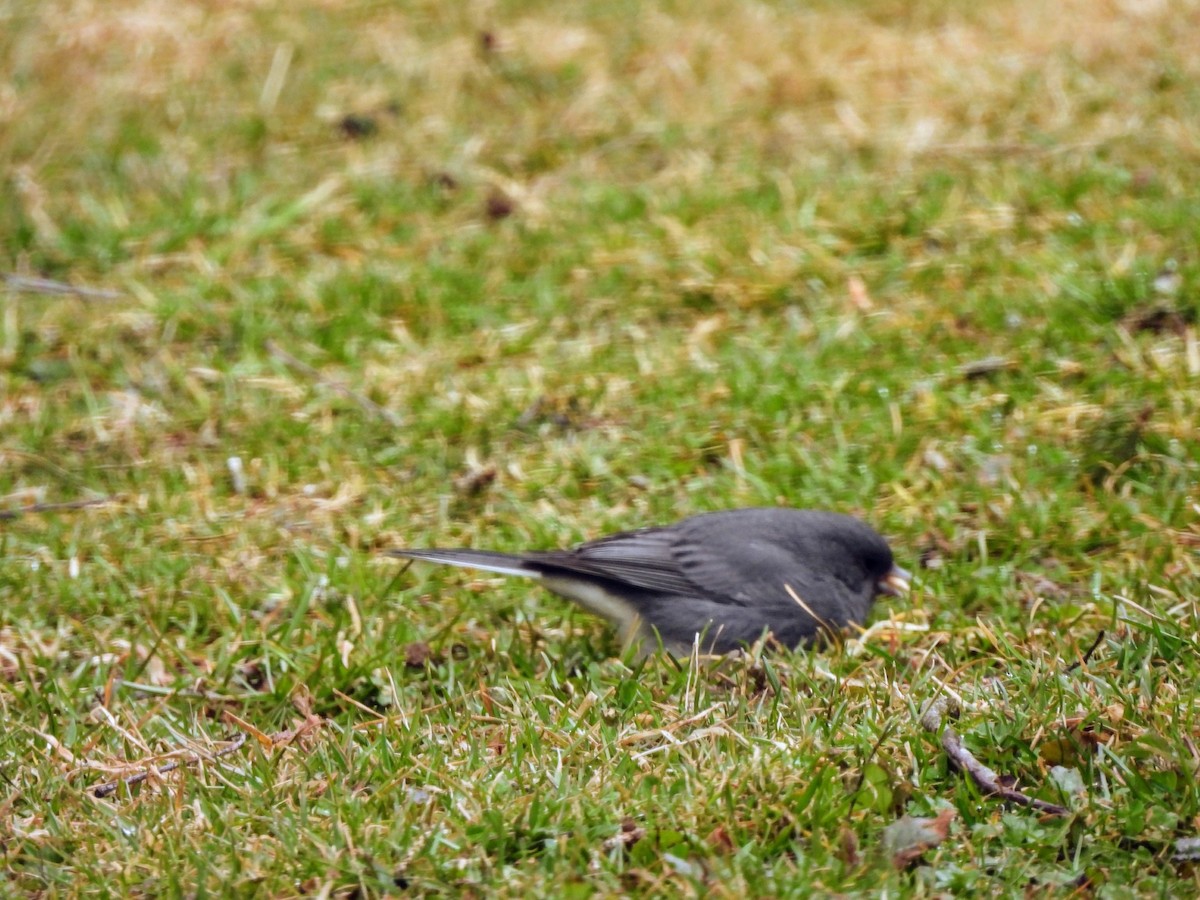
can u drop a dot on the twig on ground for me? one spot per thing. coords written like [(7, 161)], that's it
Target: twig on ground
[(33, 285), (1082, 661), (111, 787), (8, 514), (187, 694), (962, 759), (278, 739), (308, 371)]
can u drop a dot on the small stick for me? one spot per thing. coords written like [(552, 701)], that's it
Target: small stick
[(1092, 649), (8, 514), (962, 759), (110, 787), (155, 690), (34, 285), (305, 369)]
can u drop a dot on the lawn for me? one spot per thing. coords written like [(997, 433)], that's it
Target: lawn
[(287, 285)]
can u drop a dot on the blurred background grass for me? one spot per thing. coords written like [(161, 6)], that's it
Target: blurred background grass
[(517, 274)]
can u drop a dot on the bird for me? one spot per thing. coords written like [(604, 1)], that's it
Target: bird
[(718, 580)]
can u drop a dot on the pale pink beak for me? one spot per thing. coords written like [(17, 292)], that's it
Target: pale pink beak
[(895, 582)]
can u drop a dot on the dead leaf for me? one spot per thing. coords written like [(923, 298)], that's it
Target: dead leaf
[(629, 835), (302, 699), (1159, 319), (849, 847), (1069, 781), (909, 837), (418, 654), (357, 126), (488, 42), (981, 368), (499, 205), (860, 298), (720, 840), (475, 480)]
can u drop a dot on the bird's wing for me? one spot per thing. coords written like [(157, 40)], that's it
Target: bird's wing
[(764, 561), (752, 572), (641, 559), (735, 566)]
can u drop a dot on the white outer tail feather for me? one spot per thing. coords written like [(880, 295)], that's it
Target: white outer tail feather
[(581, 589), (458, 558)]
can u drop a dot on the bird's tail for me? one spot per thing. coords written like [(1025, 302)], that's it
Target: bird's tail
[(484, 560)]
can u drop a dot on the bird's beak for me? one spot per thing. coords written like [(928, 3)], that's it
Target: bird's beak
[(895, 582)]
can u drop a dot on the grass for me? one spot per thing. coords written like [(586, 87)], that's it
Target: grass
[(931, 263)]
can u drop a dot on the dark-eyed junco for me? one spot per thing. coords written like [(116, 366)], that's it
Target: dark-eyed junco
[(728, 577)]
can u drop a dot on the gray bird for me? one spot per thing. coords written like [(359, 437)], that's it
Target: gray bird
[(725, 577)]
